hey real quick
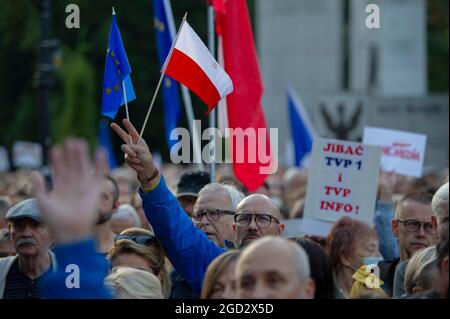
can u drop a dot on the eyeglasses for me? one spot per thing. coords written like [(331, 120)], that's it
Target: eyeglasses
[(141, 240), (211, 215), (413, 225), (262, 220)]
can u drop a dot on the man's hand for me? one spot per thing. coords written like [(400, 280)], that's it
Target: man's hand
[(71, 208), (138, 155)]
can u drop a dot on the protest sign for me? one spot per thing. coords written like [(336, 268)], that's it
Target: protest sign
[(342, 181), (402, 152)]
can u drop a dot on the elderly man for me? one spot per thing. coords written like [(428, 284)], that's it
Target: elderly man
[(21, 275), (414, 228), (261, 275), (213, 214), (188, 248), (440, 209)]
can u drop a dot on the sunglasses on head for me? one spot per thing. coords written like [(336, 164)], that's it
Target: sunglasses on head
[(141, 240)]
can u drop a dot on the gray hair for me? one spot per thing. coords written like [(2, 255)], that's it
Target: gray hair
[(421, 270), (127, 212), (440, 199), (235, 196)]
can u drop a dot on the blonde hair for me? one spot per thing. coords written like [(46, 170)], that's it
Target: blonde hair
[(421, 270), (215, 269), (154, 255), (132, 283)]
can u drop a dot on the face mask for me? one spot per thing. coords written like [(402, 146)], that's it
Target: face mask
[(372, 260)]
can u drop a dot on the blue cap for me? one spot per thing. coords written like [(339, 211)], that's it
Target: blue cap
[(25, 209)]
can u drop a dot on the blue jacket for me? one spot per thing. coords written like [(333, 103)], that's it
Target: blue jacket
[(188, 248), (93, 269), (389, 247)]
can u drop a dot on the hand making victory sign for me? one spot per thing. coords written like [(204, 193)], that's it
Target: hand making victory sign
[(138, 155)]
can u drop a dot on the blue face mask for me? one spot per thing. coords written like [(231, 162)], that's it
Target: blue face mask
[(372, 260)]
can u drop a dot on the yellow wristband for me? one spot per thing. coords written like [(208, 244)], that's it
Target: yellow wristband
[(149, 189)]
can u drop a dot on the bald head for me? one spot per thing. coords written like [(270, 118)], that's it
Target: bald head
[(261, 203), (260, 274), (257, 216)]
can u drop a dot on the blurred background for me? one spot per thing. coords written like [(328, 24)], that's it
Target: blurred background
[(394, 77)]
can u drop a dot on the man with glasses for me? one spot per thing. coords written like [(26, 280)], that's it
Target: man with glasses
[(188, 248), (413, 226), (214, 212), (257, 216), (213, 215)]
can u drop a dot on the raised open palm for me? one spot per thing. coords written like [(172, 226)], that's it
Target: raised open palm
[(71, 208)]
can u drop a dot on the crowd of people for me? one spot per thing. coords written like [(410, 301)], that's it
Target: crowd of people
[(143, 232)]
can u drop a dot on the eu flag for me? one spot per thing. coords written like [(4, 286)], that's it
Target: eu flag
[(302, 130), (117, 70), (165, 34)]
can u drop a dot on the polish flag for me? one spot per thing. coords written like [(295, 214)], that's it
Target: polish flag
[(192, 64)]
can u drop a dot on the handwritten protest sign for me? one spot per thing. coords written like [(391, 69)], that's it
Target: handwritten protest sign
[(402, 152), (27, 154), (342, 181), (4, 161)]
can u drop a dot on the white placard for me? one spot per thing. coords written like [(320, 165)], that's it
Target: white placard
[(293, 228), (4, 160), (342, 181), (27, 155), (402, 152)]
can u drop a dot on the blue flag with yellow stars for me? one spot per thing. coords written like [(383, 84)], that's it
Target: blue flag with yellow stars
[(117, 73), (165, 34)]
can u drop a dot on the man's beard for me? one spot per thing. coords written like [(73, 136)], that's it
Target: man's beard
[(104, 218)]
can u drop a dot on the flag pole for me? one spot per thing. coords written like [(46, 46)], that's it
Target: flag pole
[(212, 115), (123, 88), (186, 98), (126, 105), (161, 78)]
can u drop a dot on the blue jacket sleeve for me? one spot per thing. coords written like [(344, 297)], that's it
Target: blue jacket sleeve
[(389, 246), (188, 248), (80, 273)]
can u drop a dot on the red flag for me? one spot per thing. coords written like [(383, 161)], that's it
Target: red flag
[(244, 104)]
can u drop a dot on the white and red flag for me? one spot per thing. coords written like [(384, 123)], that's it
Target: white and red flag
[(191, 64)]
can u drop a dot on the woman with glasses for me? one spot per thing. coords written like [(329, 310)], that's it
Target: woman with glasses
[(139, 248)]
